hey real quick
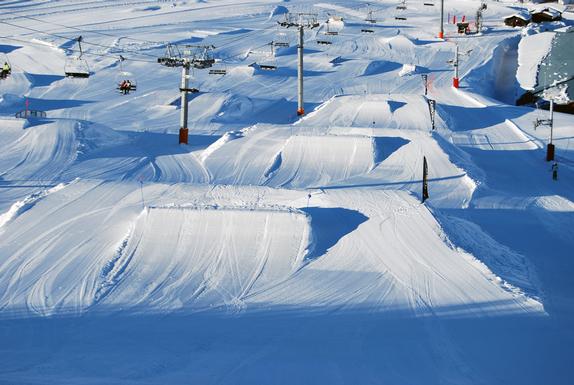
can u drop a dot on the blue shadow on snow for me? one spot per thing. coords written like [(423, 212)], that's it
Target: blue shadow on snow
[(330, 225)]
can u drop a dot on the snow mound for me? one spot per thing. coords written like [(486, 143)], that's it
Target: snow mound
[(201, 258), (386, 111), (408, 69), (321, 160)]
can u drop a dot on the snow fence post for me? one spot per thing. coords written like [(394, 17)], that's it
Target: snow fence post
[(425, 194)]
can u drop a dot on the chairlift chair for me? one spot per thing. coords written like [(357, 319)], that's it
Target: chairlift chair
[(402, 5), (370, 17), (429, 3), (400, 10), (282, 40), (330, 32), (268, 62), (75, 66), (125, 81), (219, 69)]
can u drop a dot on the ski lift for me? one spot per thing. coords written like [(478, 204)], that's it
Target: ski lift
[(75, 66), (201, 56), (400, 10), (324, 40), (219, 69), (172, 56), (5, 72), (125, 81), (429, 3), (268, 62), (282, 40), (370, 16), (329, 31)]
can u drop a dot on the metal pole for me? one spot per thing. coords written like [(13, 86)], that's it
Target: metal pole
[(183, 131), (300, 107), (551, 119), (441, 32), (455, 79), (425, 193), (550, 148)]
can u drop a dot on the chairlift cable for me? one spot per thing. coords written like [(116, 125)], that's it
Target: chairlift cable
[(85, 42)]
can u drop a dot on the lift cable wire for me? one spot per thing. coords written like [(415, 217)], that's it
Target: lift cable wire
[(85, 42)]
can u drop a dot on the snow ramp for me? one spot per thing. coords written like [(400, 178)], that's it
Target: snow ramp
[(381, 111), (316, 160), (205, 257)]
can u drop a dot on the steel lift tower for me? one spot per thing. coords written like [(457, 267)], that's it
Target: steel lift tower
[(302, 21)]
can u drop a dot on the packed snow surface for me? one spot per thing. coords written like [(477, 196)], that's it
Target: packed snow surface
[(276, 248)]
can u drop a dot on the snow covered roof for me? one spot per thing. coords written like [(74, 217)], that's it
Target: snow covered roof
[(532, 49), (547, 10), (521, 15)]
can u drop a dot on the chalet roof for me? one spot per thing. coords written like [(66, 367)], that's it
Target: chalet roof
[(520, 15), (547, 10)]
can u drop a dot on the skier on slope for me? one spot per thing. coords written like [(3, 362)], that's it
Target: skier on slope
[(555, 171), (6, 70)]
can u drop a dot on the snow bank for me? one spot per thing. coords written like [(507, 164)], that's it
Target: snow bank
[(532, 49), (408, 69)]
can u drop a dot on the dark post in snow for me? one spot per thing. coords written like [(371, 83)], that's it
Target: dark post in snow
[(425, 81), (550, 147), (432, 110), (425, 182)]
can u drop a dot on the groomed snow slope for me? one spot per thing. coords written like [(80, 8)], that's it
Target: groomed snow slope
[(275, 248), (244, 248)]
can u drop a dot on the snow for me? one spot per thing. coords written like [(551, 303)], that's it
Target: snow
[(531, 50), (275, 248)]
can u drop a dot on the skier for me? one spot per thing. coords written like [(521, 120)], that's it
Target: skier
[(6, 70), (124, 87), (555, 171)]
